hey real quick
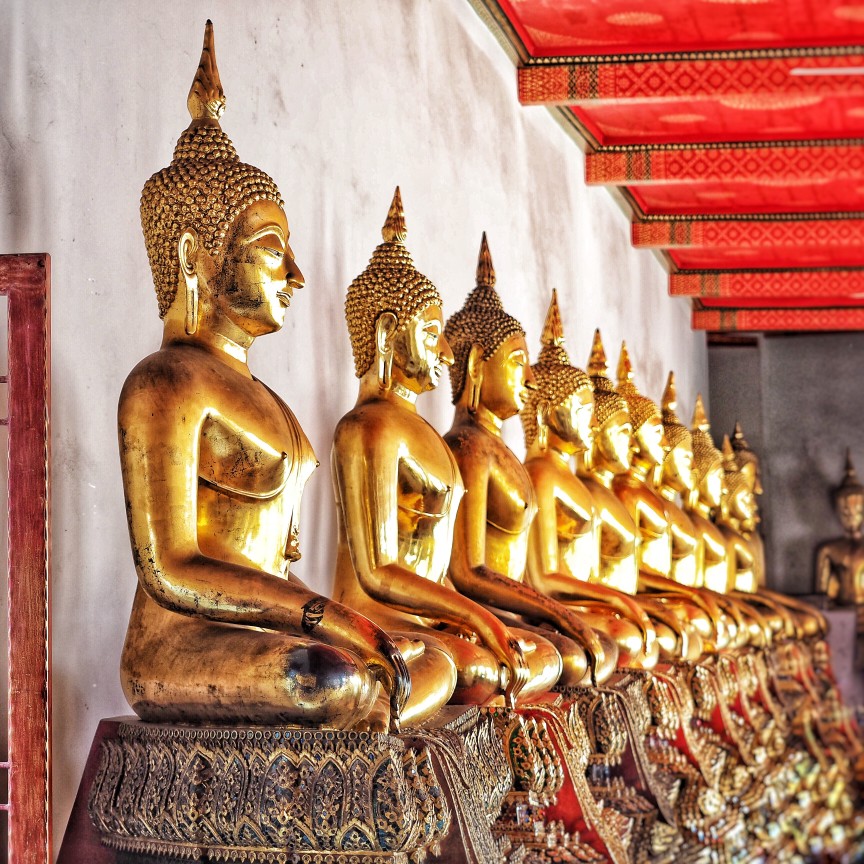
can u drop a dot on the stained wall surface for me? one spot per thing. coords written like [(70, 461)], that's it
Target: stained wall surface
[(339, 102), (801, 403)]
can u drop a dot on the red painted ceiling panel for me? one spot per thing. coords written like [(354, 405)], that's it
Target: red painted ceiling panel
[(735, 258), (641, 73), (725, 119), (581, 27), (780, 195)]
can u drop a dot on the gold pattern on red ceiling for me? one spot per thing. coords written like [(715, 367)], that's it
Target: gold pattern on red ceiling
[(733, 130)]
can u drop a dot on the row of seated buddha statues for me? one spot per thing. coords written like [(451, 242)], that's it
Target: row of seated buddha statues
[(570, 658)]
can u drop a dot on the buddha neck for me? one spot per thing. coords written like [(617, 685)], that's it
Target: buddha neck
[(480, 416), (640, 467), (397, 394), (697, 505), (555, 450), (601, 472), (666, 491), (231, 349)]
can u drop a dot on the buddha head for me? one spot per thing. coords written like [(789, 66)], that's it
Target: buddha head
[(737, 495), (491, 368), (215, 230), (747, 459), (849, 501), (707, 459), (562, 405), (649, 438), (613, 430), (677, 471), (394, 316)]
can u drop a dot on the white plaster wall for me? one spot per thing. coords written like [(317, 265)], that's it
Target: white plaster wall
[(339, 102)]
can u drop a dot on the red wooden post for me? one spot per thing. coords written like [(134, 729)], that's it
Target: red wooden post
[(25, 280)]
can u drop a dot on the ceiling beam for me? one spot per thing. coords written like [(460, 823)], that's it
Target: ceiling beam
[(768, 284), (792, 162), (745, 79), (732, 320), (748, 233)]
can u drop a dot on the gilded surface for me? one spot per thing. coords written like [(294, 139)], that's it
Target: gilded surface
[(267, 794), (214, 464)]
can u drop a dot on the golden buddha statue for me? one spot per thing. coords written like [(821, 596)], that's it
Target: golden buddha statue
[(564, 548), (398, 490), (490, 380), (674, 482), (214, 464), (811, 622), (748, 465), (737, 509), (609, 458), (716, 566), (840, 562)]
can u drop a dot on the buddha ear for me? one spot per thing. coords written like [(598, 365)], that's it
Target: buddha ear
[(385, 334), (475, 367), (187, 252)]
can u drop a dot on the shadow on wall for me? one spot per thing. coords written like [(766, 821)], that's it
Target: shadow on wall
[(801, 404)]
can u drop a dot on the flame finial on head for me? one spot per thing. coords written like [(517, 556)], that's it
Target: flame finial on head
[(700, 418), (849, 485), (597, 364), (849, 473), (485, 267), (206, 100), (556, 378), (390, 283), (625, 367), (670, 395), (705, 453), (553, 329), (676, 432), (481, 321), (729, 461), (642, 409), (394, 230)]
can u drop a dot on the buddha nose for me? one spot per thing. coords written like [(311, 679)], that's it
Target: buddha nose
[(445, 352), (530, 378), (293, 274)]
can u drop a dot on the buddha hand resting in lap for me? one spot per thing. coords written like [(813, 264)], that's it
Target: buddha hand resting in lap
[(398, 490), (490, 379), (214, 464), (564, 547)]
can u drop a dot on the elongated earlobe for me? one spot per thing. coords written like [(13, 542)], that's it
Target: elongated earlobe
[(186, 249)]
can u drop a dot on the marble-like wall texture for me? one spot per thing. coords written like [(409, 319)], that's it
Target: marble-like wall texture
[(339, 102)]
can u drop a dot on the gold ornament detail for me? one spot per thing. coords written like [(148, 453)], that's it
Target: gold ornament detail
[(390, 283), (706, 456), (556, 378), (262, 794), (676, 432), (608, 403), (481, 321), (205, 187), (642, 409)]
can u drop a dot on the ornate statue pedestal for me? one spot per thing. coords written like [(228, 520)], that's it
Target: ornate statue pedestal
[(170, 793)]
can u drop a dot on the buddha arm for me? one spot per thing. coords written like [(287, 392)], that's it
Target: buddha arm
[(824, 570), (544, 572), (697, 596), (797, 606), (161, 491), (365, 477), (472, 577)]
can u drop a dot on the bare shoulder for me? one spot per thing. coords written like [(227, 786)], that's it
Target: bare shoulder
[(367, 426), (171, 378)]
